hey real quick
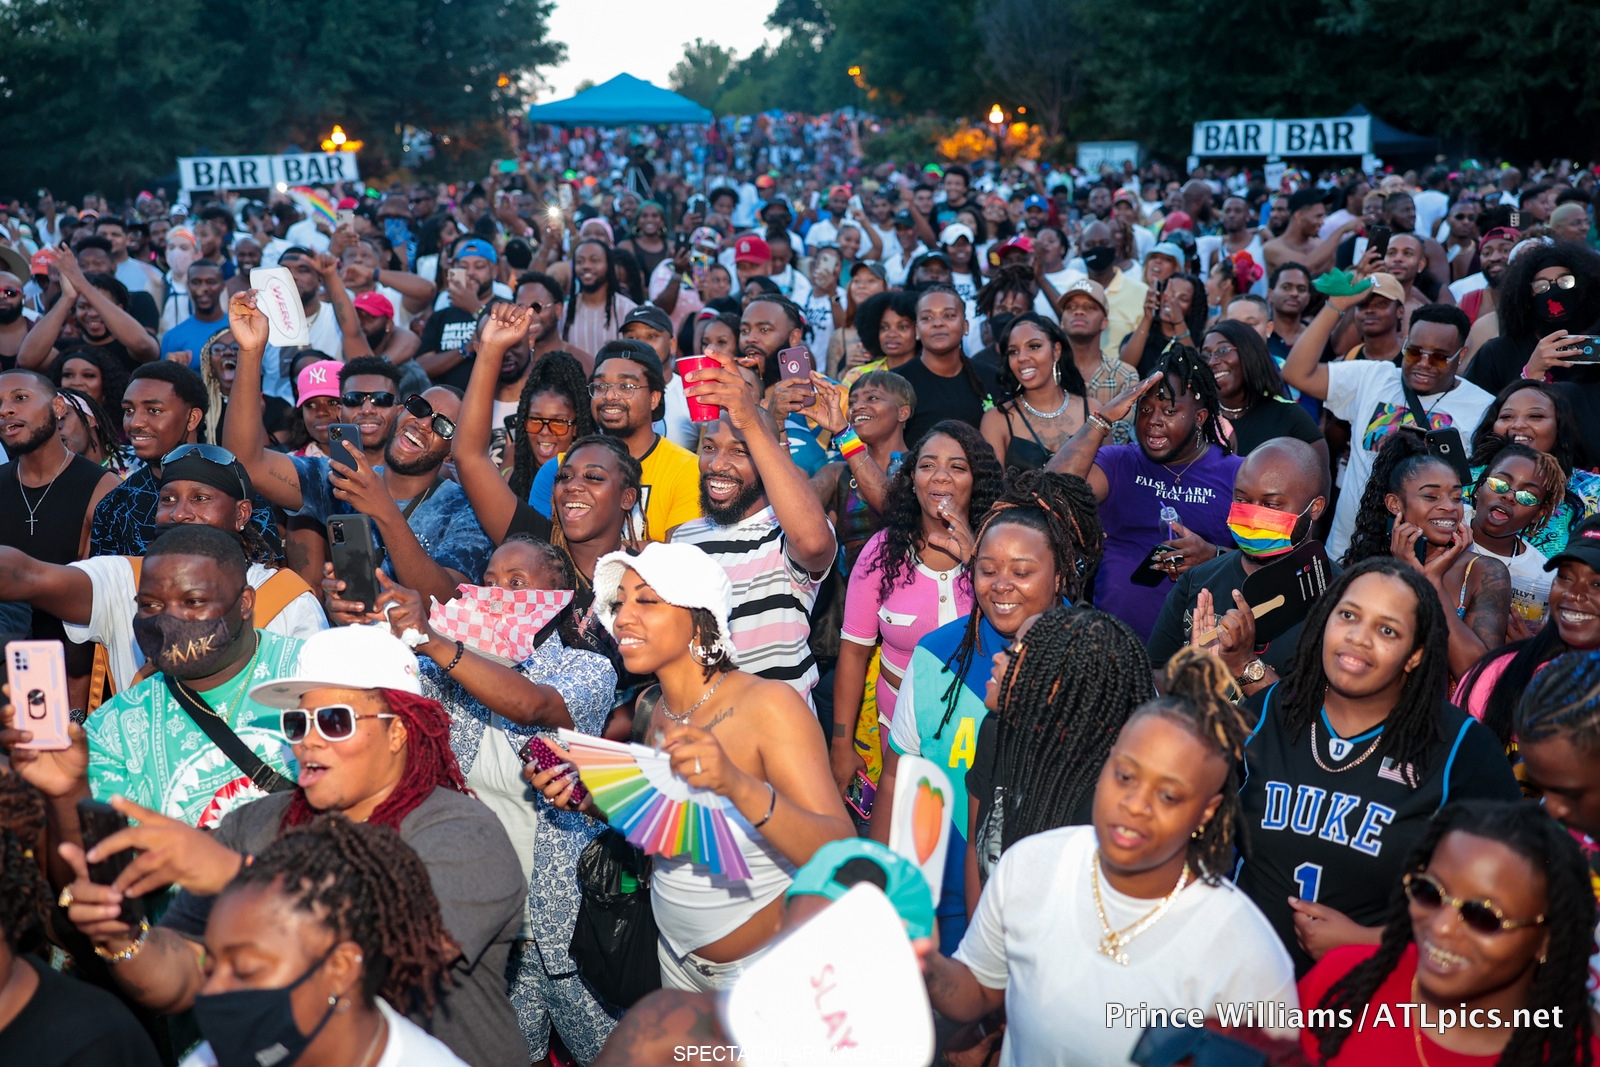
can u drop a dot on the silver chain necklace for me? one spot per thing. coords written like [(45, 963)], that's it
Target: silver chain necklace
[(1036, 413), (683, 718), (33, 522)]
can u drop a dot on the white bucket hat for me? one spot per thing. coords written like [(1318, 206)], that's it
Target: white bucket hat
[(344, 657), (681, 574)]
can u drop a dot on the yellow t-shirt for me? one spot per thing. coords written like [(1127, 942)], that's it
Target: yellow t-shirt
[(671, 487)]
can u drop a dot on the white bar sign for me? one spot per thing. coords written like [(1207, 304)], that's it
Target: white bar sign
[(1345, 135), (1348, 135), (209, 173), (1233, 137)]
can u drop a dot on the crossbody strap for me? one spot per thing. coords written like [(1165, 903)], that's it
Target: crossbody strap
[(222, 735)]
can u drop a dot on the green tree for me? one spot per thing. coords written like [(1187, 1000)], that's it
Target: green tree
[(700, 73), (1035, 51), (109, 93)]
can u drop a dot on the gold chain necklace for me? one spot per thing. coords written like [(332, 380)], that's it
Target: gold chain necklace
[(1416, 1024), (1113, 942), (1376, 741)]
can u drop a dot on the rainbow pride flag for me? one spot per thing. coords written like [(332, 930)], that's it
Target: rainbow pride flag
[(313, 203)]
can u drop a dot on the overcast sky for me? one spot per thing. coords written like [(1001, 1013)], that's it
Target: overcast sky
[(645, 38)]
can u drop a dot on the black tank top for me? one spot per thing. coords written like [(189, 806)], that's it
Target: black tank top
[(58, 512)]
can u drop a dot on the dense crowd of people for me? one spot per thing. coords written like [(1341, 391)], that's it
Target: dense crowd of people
[(1233, 552)]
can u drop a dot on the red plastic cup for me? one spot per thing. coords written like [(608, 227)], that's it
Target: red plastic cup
[(698, 411)]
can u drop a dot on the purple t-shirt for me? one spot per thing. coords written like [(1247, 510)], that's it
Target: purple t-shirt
[(1201, 493)]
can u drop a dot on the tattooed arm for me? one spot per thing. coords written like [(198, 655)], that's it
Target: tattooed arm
[(1488, 614)]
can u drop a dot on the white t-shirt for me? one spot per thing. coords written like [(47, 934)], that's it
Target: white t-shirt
[(305, 234), (325, 338), (1530, 582), (1036, 935), (819, 314), (408, 1045), (897, 264), (1470, 284), (1432, 206), (1058, 280), (111, 613), (1368, 395)]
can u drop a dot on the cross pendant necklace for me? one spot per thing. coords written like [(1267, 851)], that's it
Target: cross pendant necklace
[(32, 508)]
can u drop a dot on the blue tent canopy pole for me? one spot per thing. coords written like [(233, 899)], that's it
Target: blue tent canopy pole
[(622, 101)]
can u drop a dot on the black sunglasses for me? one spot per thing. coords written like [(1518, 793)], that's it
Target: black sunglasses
[(1482, 916), (379, 400), (214, 453), (420, 408)]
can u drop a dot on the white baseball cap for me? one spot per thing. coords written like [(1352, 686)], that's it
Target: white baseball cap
[(345, 657), (954, 232)]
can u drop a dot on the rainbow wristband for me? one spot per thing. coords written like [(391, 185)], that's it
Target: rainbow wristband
[(848, 442)]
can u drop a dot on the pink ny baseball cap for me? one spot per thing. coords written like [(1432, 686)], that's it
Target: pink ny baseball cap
[(318, 379)]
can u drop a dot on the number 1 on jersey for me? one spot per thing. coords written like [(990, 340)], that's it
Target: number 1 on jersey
[(1308, 876)]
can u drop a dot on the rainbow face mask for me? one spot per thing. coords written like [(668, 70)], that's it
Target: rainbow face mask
[(1263, 532)]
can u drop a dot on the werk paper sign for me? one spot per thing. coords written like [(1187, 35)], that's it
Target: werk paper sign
[(920, 829), (843, 989), (278, 299)]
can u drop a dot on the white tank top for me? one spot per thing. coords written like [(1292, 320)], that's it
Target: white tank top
[(694, 907)]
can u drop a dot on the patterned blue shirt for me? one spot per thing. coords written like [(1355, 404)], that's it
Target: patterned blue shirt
[(587, 682), (125, 519), (445, 524)]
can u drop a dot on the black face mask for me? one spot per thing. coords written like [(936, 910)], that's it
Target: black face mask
[(189, 648), (256, 1027), (1099, 260)]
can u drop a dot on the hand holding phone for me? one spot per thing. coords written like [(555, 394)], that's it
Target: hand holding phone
[(98, 822), (41, 705), (796, 362), (544, 756), (356, 558), (344, 443), (1378, 239)]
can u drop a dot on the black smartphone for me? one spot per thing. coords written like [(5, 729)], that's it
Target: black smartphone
[(1143, 575), (99, 821), (1378, 239), (346, 436), (355, 557), (680, 242), (1161, 286)]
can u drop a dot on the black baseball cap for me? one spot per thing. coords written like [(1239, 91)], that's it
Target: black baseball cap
[(1583, 546), (903, 218), (651, 316)]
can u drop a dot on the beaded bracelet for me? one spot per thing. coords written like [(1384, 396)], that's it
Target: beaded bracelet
[(460, 650), (1100, 421), (848, 442), (131, 951)]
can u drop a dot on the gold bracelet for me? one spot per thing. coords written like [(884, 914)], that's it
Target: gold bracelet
[(131, 951)]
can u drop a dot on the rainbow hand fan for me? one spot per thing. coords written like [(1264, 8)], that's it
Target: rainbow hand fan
[(657, 811)]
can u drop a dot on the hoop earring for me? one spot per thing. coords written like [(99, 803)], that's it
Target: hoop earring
[(703, 655)]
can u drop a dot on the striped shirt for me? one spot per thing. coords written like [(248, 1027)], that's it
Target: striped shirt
[(772, 596)]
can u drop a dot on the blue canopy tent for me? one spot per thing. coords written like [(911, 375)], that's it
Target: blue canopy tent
[(622, 101)]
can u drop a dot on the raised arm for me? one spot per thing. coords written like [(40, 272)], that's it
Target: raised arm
[(491, 498), (416, 292), (1304, 368), (39, 342), (123, 326), (351, 338), (805, 526), (501, 689), (272, 473), (1077, 455)]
